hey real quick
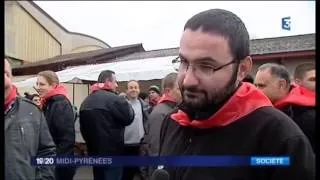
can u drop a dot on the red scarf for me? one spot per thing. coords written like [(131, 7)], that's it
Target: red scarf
[(165, 97), (58, 90), (154, 101), (299, 95), (10, 98), (245, 100), (101, 86)]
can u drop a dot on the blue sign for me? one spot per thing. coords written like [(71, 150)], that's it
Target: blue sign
[(168, 161), (286, 23), (270, 161)]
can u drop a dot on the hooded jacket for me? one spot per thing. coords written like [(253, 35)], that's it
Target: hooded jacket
[(60, 116)]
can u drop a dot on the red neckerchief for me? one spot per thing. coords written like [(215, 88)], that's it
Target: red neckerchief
[(165, 97), (245, 100), (11, 97), (101, 86), (154, 101), (58, 90), (298, 95)]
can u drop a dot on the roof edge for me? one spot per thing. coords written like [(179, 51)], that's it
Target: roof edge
[(58, 24), (277, 37), (125, 47)]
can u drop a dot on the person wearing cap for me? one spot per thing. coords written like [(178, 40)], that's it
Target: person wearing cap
[(154, 96)]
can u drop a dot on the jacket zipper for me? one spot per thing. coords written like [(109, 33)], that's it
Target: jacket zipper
[(22, 133), (189, 142)]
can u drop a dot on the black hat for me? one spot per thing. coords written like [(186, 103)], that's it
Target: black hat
[(154, 88)]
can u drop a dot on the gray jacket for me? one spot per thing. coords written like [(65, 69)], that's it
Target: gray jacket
[(26, 135), (155, 120)]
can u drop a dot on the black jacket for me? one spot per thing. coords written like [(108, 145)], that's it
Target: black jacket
[(305, 117), (103, 117), (26, 135), (265, 131), (60, 117)]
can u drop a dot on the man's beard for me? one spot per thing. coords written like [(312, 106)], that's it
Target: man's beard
[(206, 102)]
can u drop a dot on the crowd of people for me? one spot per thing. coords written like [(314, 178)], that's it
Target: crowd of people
[(210, 106)]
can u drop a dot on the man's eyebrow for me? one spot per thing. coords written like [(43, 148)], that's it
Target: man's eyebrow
[(203, 59)]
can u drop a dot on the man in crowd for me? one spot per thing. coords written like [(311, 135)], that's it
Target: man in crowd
[(26, 135), (220, 115), (169, 100), (135, 132), (103, 118), (123, 94), (248, 79), (305, 75), (144, 96), (80, 143), (294, 100), (154, 96)]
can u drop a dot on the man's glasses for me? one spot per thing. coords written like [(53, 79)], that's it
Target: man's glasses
[(199, 69)]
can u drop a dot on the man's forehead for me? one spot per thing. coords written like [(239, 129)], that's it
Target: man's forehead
[(133, 83), (310, 73), (199, 45), (263, 75)]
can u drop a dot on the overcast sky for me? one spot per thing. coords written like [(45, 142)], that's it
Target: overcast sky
[(159, 24)]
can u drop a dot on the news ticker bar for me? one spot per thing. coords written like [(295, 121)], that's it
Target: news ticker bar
[(169, 161)]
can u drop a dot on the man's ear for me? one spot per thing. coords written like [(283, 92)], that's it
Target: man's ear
[(283, 84), (297, 81), (245, 67)]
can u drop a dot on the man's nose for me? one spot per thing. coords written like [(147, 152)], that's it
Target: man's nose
[(189, 77)]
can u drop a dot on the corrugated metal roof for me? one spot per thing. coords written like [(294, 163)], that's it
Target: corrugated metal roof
[(257, 46)]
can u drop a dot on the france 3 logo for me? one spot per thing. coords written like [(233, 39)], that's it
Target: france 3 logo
[(286, 23)]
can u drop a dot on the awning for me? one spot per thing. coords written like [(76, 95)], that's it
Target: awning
[(142, 69)]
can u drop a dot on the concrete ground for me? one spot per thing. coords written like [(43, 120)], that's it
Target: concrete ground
[(83, 173)]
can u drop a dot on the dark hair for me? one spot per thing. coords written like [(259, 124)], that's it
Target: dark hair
[(30, 96), (226, 24), (301, 70), (248, 79), (143, 95), (105, 75), (169, 81), (276, 70)]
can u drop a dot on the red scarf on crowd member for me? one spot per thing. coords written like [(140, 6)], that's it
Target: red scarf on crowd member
[(298, 95), (154, 101), (58, 90), (101, 86), (165, 97), (243, 102), (10, 98)]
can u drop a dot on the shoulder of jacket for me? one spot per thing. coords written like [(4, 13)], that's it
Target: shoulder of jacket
[(59, 97), (28, 102)]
